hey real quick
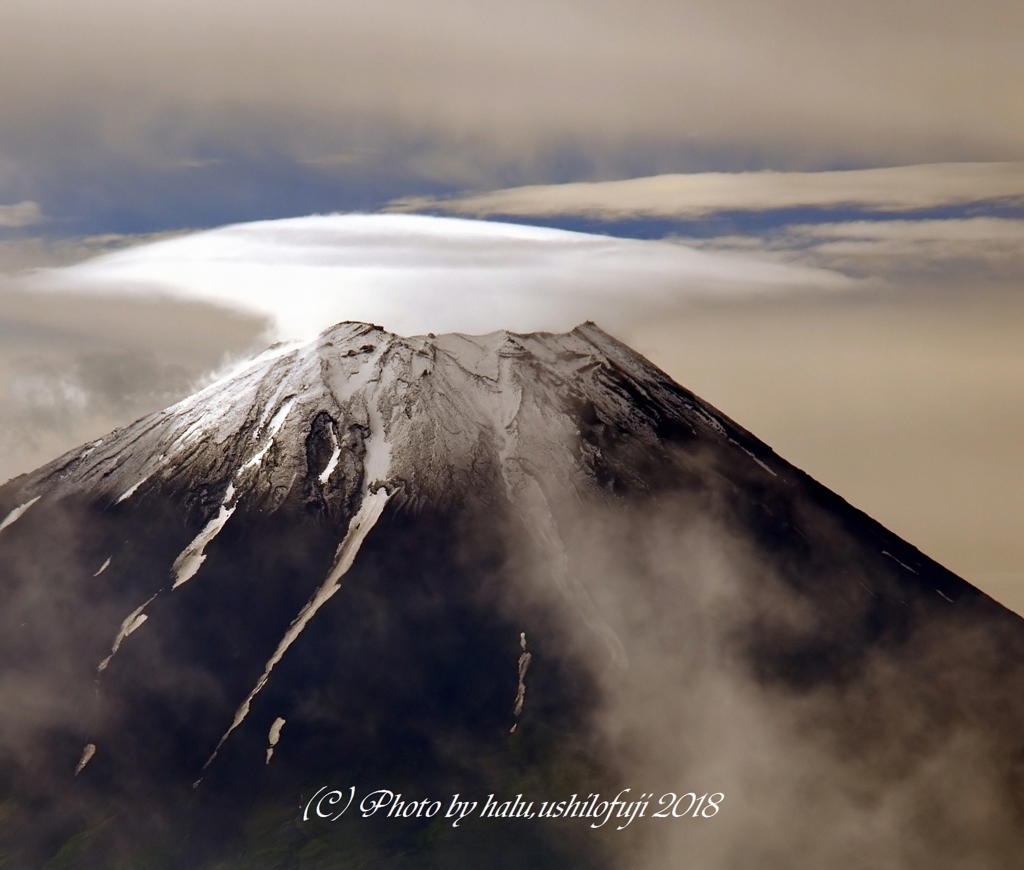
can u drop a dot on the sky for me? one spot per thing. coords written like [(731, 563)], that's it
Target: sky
[(810, 213)]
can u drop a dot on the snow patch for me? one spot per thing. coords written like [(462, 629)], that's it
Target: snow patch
[(272, 430), (256, 458), (377, 460), (103, 567), (274, 736), (524, 662), (128, 493), (758, 461), (131, 622), (18, 512), (367, 371), (278, 419), (898, 562), (90, 449), (87, 754), (751, 455), (332, 463), (191, 559)]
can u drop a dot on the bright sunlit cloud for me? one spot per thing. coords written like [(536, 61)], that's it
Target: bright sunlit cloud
[(414, 274)]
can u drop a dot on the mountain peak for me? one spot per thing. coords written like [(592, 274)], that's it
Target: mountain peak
[(357, 536), (415, 413)]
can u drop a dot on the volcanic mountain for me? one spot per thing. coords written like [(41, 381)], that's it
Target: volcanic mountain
[(483, 565)]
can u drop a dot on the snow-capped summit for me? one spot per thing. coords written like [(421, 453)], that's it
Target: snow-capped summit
[(378, 409)]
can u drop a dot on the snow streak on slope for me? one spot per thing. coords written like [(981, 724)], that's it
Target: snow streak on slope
[(332, 463), (131, 622), (87, 753), (272, 430), (17, 513), (364, 520), (128, 493), (191, 559), (274, 736)]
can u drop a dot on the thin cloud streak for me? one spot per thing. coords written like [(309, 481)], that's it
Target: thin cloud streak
[(940, 252), (893, 189), (415, 274)]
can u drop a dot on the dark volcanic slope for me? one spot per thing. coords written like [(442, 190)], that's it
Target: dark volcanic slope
[(322, 570)]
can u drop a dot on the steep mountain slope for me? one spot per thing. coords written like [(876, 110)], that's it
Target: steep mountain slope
[(494, 564)]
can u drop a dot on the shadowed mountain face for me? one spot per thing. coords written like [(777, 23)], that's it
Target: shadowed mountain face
[(507, 564)]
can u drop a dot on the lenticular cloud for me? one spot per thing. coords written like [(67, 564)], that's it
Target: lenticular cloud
[(418, 274)]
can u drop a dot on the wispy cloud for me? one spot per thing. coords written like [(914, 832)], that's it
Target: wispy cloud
[(894, 189), (36, 251), (22, 214), (943, 251), (73, 367)]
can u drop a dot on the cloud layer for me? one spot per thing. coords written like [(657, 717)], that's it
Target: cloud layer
[(415, 274), (142, 118)]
